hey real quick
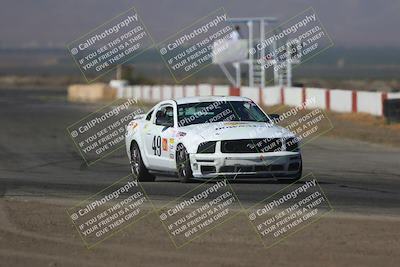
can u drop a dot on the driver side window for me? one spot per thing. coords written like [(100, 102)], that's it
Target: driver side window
[(165, 116)]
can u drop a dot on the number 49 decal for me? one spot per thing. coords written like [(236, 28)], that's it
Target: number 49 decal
[(157, 145)]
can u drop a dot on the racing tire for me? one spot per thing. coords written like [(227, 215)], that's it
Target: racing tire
[(139, 170), (185, 173), (298, 174)]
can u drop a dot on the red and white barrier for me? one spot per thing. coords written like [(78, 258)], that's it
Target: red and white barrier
[(221, 90), (271, 96), (190, 90), (251, 92), (341, 100), (168, 92), (293, 96), (318, 96), (156, 92), (370, 102), (205, 89), (337, 100), (178, 91)]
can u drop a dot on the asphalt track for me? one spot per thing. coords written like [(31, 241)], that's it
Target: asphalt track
[(37, 159)]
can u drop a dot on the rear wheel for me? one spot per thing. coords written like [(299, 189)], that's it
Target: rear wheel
[(138, 168), (183, 164)]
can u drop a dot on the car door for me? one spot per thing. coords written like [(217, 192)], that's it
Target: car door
[(159, 138)]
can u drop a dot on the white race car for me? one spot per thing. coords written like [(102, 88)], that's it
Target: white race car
[(206, 137)]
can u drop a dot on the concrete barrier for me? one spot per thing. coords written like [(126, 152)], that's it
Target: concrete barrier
[(168, 92), (146, 93), (221, 90), (119, 85), (370, 102), (92, 92), (319, 95), (190, 90), (128, 92), (178, 91), (251, 92), (157, 95), (293, 96), (341, 100), (204, 89), (137, 91), (271, 96)]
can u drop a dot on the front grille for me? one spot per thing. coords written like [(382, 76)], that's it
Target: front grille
[(207, 169), (261, 168), (251, 145), (236, 169), (275, 168), (227, 169), (256, 168)]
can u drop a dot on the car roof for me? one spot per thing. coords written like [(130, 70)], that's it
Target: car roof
[(198, 99)]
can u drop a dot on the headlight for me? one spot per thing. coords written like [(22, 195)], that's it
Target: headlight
[(207, 147)]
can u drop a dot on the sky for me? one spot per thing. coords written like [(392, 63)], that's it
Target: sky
[(350, 23)]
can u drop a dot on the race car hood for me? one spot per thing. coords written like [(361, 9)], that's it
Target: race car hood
[(237, 130)]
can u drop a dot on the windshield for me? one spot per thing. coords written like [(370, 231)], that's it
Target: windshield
[(205, 112)]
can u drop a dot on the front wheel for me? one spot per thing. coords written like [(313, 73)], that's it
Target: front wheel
[(183, 164), (138, 168), (295, 177), (299, 173)]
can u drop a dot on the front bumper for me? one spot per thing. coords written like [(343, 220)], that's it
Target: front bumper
[(255, 165)]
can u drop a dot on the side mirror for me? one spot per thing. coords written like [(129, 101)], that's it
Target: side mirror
[(274, 117)]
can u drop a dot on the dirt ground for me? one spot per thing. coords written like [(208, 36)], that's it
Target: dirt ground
[(37, 232)]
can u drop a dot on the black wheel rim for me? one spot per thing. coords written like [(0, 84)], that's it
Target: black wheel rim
[(135, 161), (182, 162)]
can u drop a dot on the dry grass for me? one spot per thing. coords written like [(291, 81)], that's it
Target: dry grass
[(366, 119), (359, 126)]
